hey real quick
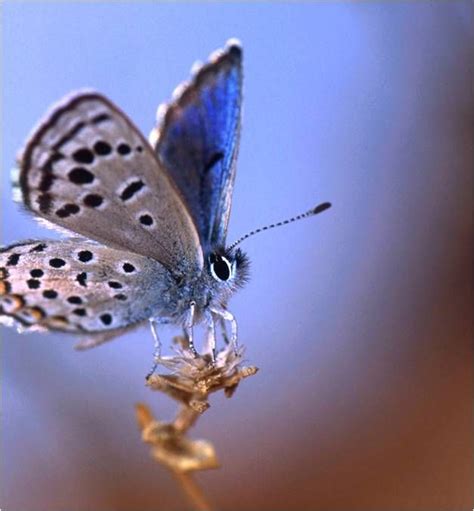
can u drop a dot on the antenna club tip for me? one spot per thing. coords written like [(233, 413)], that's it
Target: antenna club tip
[(321, 207)]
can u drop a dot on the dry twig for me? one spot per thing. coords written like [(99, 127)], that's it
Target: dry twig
[(190, 383)]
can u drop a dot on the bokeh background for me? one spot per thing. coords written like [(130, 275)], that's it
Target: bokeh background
[(360, 320)]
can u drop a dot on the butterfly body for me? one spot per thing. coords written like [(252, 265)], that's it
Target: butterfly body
[(206, 292)]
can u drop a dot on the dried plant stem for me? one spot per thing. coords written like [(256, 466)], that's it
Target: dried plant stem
[(191, 382), (185, 418), (192, 490)]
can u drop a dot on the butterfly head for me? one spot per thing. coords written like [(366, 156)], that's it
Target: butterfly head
[(229, 268)]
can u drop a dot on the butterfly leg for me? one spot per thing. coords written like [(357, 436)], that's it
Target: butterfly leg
[(188, 329), (224, 330), (228, 316), (154, 322), (210, 345)]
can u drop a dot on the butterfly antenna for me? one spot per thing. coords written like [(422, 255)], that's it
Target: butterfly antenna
[(314, 211)]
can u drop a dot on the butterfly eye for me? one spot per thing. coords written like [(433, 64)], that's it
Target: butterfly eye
[(220, 267)]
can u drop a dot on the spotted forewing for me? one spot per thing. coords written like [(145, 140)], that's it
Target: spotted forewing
[(86, 168)]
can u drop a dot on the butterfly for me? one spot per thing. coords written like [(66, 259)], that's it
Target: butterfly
[(147, 219)]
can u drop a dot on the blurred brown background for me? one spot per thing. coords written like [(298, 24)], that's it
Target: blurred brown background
[(360, 321)]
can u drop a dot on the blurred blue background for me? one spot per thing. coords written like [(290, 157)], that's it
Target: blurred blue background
[(360, 319)]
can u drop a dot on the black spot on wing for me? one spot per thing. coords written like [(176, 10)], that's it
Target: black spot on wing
[(83, 155), (13, 259), (106, 318), (57, 262), (81, 176), (124, 149), (146, 220), (132, 189), (85, 256), (76, 300), (82, 278), (93, 200), (102, 148), (67, 210), (33, 283), (50, 294), (45, 200), (39, 248)]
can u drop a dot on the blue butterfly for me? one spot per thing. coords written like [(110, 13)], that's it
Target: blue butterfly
[(148, 218)]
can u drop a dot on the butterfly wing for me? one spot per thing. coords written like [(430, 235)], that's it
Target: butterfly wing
[(88, 169), (198, 141), (78, 286)]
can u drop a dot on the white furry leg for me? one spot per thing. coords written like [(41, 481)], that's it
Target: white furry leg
[(154, 322), (223, 330), (228, 316), (188, 329), (210, 345)]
